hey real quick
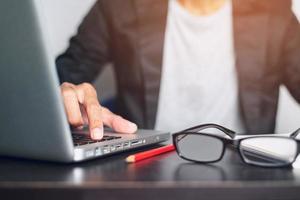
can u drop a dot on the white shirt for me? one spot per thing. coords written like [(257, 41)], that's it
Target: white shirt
[(199, 82)]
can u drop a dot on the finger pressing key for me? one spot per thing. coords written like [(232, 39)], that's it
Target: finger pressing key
[(93, 110)]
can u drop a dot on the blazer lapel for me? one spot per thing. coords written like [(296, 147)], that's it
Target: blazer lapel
[(152, 16), (250, 36)]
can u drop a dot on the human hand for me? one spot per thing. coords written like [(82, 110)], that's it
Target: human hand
[(82, 107)]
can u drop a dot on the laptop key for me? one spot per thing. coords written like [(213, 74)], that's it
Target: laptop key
[(81, 143), (80, 139)]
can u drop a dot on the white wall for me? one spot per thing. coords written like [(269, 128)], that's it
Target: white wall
[(63, 17)]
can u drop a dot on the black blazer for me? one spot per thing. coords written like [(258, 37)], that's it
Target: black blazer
[(130, 34)]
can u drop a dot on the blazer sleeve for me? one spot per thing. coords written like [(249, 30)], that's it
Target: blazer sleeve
[(88, 51), (291, 57)]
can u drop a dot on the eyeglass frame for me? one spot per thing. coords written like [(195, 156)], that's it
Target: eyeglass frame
[(228, 141)]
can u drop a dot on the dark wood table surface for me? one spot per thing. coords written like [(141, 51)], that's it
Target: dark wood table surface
[(162, 177)]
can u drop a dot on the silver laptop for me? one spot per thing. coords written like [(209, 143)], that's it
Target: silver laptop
[(33, 121)]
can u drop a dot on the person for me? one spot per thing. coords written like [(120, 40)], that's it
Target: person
[(179, 63)]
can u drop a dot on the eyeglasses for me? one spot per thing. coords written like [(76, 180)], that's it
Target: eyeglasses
[(196, 145)]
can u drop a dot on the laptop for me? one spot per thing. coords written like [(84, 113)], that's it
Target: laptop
[(33, 120)]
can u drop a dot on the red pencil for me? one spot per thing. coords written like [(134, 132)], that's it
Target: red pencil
[(147, 154)]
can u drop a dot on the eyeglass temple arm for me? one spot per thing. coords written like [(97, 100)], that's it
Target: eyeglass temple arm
[(295, 133), (227, 131)]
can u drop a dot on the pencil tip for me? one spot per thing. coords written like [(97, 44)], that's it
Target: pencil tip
[(130, 159)]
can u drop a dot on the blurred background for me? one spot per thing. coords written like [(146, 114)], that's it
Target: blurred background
[(62, 18)]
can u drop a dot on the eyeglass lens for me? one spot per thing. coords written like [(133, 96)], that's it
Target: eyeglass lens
[(268, 151), (199, 147)]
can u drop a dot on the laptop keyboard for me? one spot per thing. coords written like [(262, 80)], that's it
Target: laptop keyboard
[(80, 139)]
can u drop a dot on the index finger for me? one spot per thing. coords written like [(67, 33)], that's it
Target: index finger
[(93, 110)]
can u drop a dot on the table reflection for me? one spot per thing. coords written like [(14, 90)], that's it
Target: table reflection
[(168, 167)]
